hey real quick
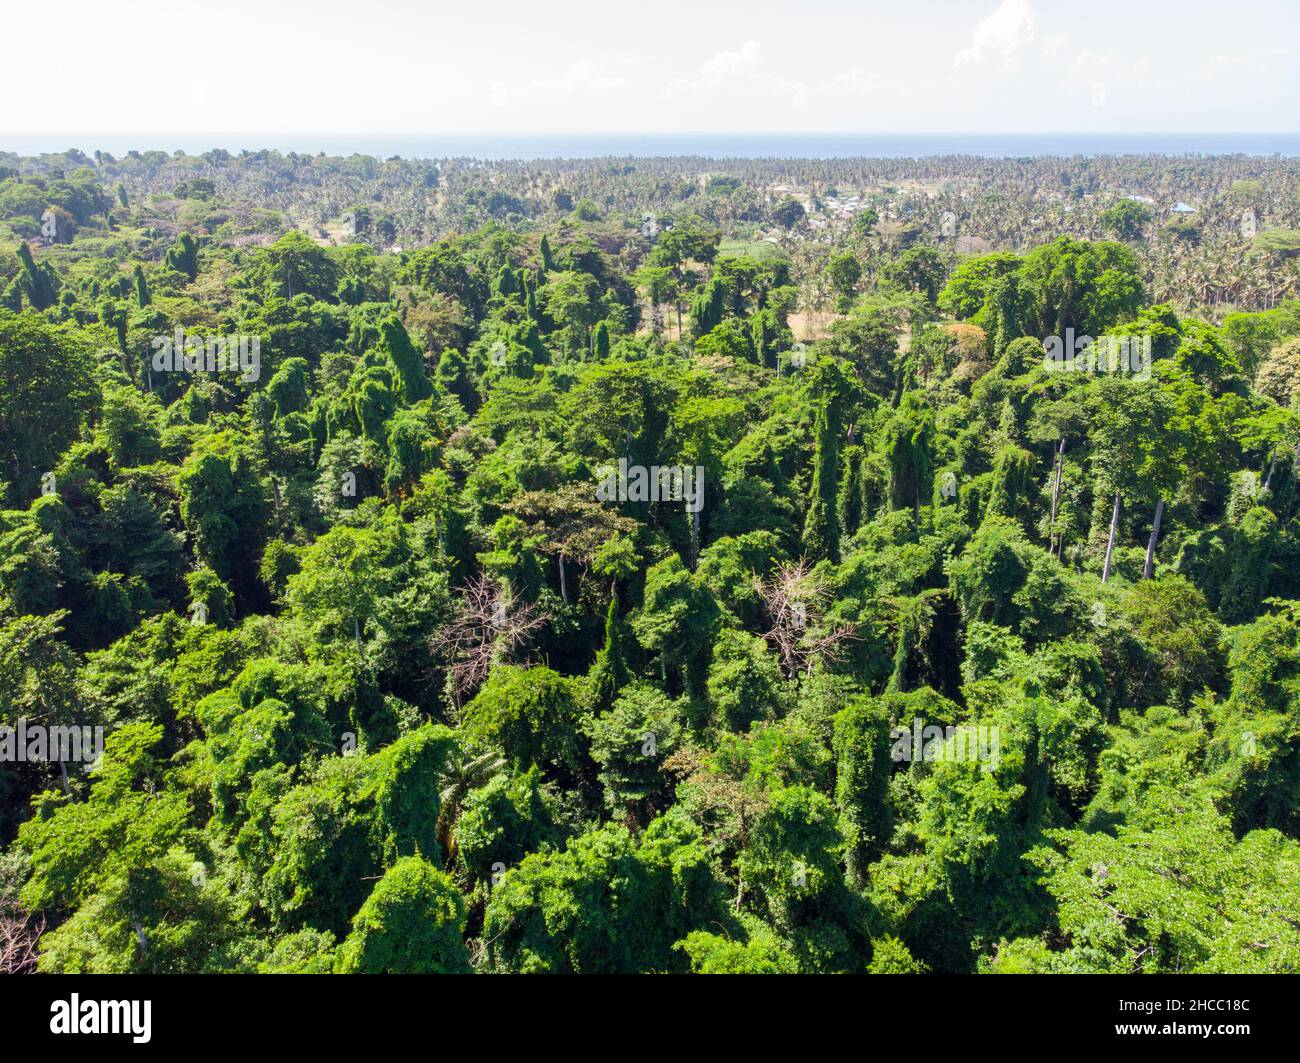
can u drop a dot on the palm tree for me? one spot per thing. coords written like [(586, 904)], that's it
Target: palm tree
[(459, 777)]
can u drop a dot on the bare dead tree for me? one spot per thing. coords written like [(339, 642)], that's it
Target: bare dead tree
[(796, 602), (20, 931), (490, 625)]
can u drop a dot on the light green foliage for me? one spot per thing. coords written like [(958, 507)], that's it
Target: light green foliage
[(891, 956), (791, 862), (411, 923), (77, 847), (530, 714), (501, 823), (744, 681), (1119, 916), (763, 953), (160, 918), (353, 816), (609, 903)]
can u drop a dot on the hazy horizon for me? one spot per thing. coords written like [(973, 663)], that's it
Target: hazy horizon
[(775, 144)]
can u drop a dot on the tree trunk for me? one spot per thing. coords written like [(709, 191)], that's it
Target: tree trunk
[(1056, 494), (1110, 541), (1155, 538), (141, 940), (564, 586), (740, 873)]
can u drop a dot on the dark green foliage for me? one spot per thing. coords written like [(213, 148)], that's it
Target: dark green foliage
[(46, 392), (36, 285), (862, 771), (610, 673), (413, 383), (600, 342), (822, 528), (909, 449), (183, 256), (1126, 219), (143, 296), (630, 742), (328, 835)]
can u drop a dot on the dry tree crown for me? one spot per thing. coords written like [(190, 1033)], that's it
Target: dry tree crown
[(796, 601), (490, 624), (20, 931)]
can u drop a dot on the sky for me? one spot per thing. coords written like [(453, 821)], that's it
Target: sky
[(482, 67)]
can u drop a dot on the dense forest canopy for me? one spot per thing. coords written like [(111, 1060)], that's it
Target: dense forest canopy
[(650, 565)]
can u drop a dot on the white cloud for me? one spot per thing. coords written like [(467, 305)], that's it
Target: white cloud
[(1000, 35), (739, 74), (582, 76), (1093, 64), (1053, 45), (727, 65), (858, 81), (1225, 64), (1234, 64)]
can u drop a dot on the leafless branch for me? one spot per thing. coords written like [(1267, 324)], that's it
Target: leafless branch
[(490, 626), (20, 931), (796, 602)]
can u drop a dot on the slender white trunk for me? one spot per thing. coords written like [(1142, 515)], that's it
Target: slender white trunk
[(1110, 542), (1056, 494), (1155, 538)]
